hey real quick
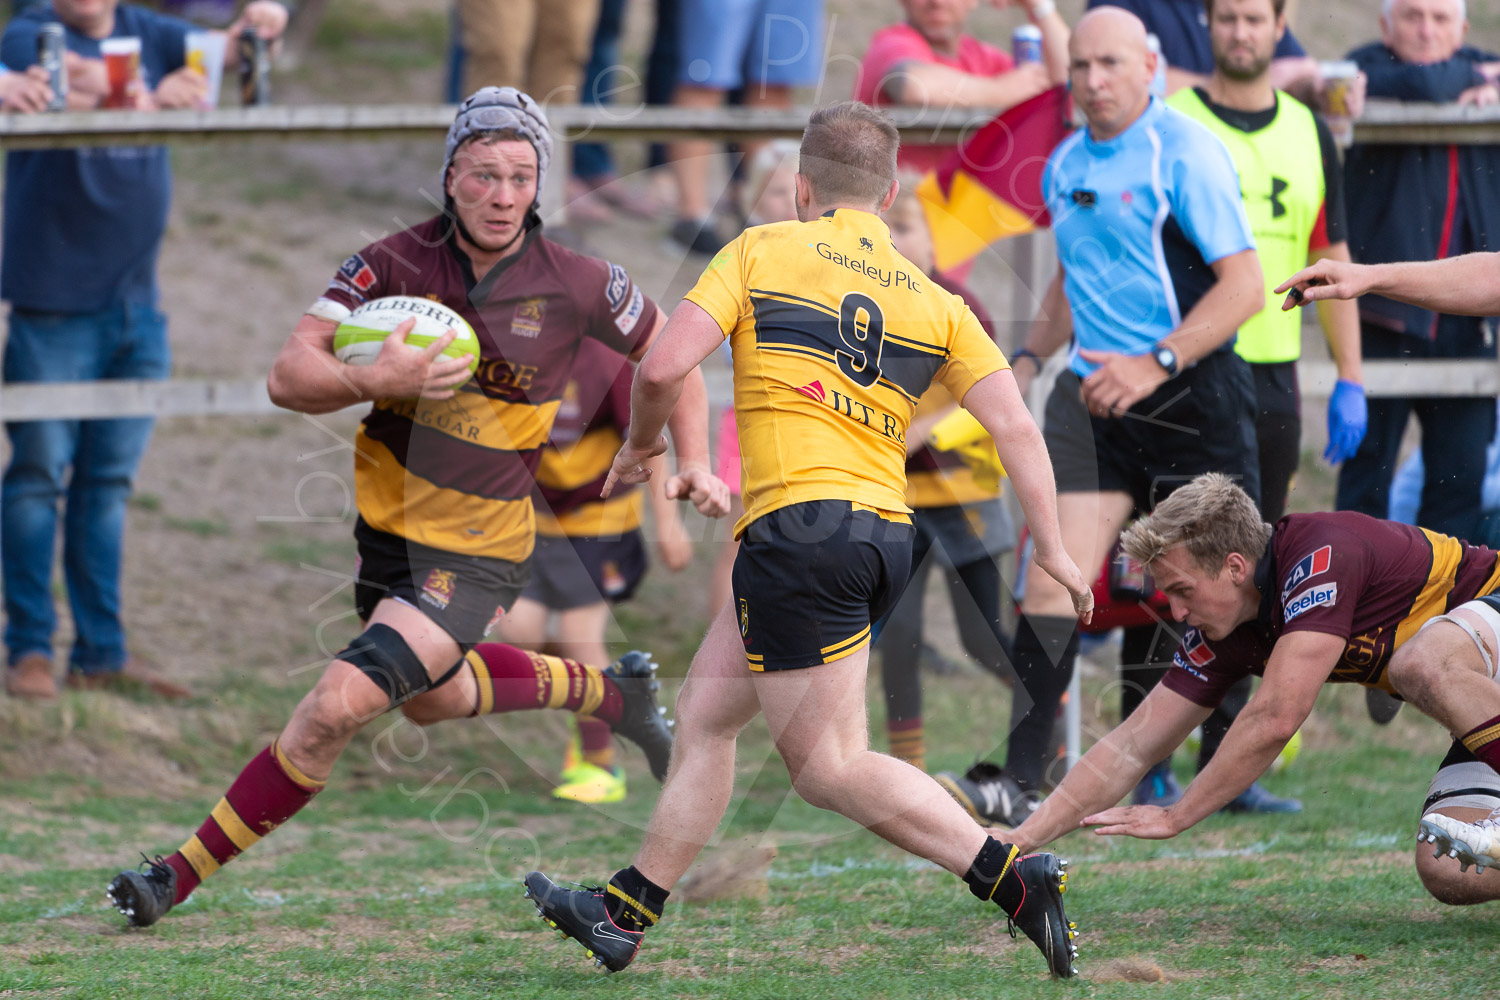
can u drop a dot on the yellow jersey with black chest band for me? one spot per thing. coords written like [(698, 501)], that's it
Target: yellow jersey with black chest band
[(835, 336)]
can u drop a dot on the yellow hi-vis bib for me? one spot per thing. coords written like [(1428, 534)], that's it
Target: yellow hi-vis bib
[(1281, 183)]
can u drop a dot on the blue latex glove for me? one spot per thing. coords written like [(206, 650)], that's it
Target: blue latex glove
[(1347, 419)]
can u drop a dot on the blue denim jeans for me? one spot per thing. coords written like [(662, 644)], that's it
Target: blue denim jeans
[(592, 160), (85, 467)]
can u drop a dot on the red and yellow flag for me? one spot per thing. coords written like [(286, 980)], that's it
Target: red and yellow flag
[(990, 188)]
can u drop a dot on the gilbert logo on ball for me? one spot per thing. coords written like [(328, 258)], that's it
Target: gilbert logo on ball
[(358, 339)]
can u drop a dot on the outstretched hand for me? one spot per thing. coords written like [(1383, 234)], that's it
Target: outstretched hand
[(1326, 279), (1144, 822), (630, 465)]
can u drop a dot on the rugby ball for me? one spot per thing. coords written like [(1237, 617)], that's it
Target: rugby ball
[(358, 339)]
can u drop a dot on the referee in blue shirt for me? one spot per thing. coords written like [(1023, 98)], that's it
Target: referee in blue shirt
[(1158, 270)]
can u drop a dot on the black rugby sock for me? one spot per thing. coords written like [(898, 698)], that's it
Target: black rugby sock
[(1046, 646), (993, 876), (634, 901)]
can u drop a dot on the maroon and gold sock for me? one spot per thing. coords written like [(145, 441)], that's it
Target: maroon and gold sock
[(908, 741), (1483, 742), (268, 792), (512, 680), (596, 740)]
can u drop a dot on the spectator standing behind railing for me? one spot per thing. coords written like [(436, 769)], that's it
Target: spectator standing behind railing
[(596, 187), (1423, 203), (81, 233), (929, 62), (1182, 28), (535, 46), (762, 48)]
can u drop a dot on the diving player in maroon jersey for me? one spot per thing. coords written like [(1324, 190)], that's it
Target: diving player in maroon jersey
[(443, 479), (1317, 598)]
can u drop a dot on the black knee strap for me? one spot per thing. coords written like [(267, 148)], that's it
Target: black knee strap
[(1453, 793), (384, 656)]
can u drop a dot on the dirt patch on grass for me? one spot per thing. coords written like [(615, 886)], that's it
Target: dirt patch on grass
[(734, 871), (1128, 970)]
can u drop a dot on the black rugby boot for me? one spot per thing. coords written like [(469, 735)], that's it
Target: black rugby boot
[(144, 897), (583, 915), (1040, 913), (642, 720)]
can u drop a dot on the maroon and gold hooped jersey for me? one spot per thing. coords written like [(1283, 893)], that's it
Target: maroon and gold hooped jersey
[(457, 474), (1372, 583), (589, 430)]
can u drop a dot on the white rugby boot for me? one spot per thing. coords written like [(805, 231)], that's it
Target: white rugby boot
[(1476, 844)]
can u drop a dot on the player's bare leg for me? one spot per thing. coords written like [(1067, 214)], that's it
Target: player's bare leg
[(283, 778), (817, 718), (405, 650), (525, 625), (716, 702), (1442, 672), (1449, 671), (1441, 873), (345, 698)]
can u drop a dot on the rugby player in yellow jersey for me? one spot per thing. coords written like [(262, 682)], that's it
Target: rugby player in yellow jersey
[(835, 335)]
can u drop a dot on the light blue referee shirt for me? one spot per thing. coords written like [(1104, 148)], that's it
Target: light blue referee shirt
[(1139, 219)]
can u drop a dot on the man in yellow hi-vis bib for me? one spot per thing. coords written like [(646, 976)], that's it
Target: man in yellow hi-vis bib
[(835, 336), (1295, 203)]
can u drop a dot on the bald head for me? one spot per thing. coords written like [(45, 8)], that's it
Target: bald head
[(1109, 22), (1110, 68)]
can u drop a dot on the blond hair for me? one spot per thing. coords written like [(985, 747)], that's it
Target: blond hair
[(762, 167), (1210, 517), (849, 154)]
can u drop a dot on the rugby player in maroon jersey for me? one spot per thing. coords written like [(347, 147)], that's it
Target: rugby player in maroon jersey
[(443, 480), (1318, 598)]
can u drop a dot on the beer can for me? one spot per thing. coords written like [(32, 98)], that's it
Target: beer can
[(1026, 44), (255, 69), (50, 46)]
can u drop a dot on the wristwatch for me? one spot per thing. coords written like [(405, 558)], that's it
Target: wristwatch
[(1166, 357)]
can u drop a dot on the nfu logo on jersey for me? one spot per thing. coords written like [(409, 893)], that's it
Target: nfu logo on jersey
[(1193, 654), (1311, 565)]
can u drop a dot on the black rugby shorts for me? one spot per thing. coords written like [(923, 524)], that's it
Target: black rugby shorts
[(464, 595), (574, 572), (810, 578), (1201, 421)]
